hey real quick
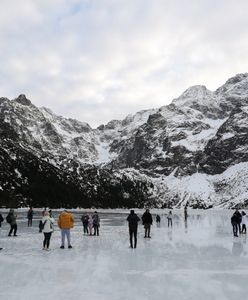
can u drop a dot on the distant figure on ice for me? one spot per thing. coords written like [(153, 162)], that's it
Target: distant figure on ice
[(235, 220), (65, 223), (96, 223), (169, 217), (239, 219), (243, 222), (47, 228), (1, 220), (30, 215), (147, 222), (11, 219), (186, 213), (85, 221), (158, 219), (133, 220), (90, 224)]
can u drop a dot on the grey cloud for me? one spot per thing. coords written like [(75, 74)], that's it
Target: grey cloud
[(100, 60)]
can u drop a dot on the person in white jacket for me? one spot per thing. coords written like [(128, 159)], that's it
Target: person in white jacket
[(244, 222), (47, 225)]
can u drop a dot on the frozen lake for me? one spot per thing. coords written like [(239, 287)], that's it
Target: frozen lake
[(199, 261)]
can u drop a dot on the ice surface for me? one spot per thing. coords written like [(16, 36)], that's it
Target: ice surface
[(199, 261)]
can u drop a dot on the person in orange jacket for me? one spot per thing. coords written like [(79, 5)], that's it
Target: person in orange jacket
[(65, 223)]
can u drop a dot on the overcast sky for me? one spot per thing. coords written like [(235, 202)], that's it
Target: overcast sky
[(97, 60)]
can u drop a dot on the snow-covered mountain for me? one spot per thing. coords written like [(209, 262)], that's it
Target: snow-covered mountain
[(191, 150)]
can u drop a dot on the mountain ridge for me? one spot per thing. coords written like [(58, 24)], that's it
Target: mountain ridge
[(200, 132)]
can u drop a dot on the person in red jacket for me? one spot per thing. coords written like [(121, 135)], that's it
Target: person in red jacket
[(65, 223)]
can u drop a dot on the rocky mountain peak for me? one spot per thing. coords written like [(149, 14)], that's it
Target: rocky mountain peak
[(237, 78), (23, 100), (194, 94)]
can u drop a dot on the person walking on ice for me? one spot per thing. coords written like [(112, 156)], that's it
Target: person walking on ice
[(133, 220), (47, 225), (65, 223), (169, 217)]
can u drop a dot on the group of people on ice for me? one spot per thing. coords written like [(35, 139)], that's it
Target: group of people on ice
[(91, 225), (147, 221), (65, 223), (239, 222)]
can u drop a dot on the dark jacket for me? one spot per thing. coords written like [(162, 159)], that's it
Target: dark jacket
[(147, 218), (96, 219), (1, 220), (12, 218), (85, 220), (133, 220), (30, 214), (236, 218)]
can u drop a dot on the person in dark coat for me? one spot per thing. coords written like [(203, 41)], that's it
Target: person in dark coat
[(1, 220), (133, 220), (235, 220), (85, 221), (96, 223), (12, 221), (158, 219), (147, 222), (239, 218), (30, 215)]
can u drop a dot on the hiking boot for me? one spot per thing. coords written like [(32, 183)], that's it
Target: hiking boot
[(62, 247), (69, 247)]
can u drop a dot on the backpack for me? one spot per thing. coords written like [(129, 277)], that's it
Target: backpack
[(8, 218), (43, 225)]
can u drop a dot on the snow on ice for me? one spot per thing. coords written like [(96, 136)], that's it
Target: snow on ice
[(197, 260)]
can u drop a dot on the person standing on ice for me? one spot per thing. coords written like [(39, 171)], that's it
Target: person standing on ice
[(239, 216), (47, 224), (133, 220), (147, 222), (244, 221), (158, 219), (65, 223), (11, 219), (30, 215), (169, 217), (96, 223), (1, 220), (235, 223), (90, 224), (85, 221)]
